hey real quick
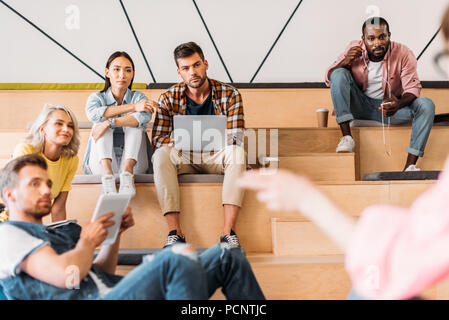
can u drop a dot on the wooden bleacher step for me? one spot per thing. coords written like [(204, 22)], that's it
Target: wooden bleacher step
[(264, 108), (369, 156), (373, 157), (294, 237), (295, 141), (321, 166)]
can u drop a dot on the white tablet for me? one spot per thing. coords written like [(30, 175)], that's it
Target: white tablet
[(116, 203)]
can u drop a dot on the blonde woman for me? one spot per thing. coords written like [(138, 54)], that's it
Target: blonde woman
[(55, 136)]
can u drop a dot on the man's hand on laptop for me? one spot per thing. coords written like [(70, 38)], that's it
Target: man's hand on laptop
[(127, 220)]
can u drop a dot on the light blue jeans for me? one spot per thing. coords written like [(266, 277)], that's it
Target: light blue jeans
[(353, 295), (351, 103), (174, 274)]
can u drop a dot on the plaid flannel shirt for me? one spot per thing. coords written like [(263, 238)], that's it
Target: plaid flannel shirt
[(226, 100)]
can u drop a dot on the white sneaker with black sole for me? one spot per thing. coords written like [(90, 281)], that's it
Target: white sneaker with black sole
[(108, 184), (347, 144)]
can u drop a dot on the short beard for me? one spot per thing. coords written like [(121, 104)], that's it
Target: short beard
[(199, 84), (380, 58), (36, 215)]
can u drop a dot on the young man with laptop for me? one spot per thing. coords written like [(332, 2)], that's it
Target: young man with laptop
[(57, 261), (198, 96)]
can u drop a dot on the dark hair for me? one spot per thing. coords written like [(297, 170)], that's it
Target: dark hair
[(107, 82), (186, 50), (375, 21), (9, 173), (445, 24)]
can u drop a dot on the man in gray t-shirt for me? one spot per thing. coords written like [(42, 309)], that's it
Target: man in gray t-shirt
[(48, 262)]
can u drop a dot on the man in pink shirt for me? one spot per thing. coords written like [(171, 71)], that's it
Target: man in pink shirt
[(376, 79)]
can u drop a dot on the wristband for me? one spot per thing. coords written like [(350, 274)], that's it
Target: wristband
[(112, 122)]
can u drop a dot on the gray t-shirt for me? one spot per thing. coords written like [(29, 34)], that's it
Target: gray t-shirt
[(19, 245)]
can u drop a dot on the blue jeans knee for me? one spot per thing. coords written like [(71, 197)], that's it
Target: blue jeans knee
[(425, 107), (340, 76)]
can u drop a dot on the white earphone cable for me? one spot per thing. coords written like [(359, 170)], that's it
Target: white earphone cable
[(388, 151)]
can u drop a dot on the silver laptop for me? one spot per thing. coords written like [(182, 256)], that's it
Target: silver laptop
[(199, 133)]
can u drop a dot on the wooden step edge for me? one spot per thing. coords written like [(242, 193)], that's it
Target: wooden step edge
[(268, 259), (320, 154), (323, 183), (302, 128), (319, 183), (301, 218), (271, 259)]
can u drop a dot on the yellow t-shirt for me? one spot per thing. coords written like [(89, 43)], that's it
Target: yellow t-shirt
[(61, 171)]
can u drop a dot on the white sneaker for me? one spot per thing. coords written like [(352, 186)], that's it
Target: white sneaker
[(412, 167), (346, 144), (108, 184), (127, 184)]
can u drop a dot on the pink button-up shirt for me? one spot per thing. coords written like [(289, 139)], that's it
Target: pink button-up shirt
[(395, 253), (399, 67)]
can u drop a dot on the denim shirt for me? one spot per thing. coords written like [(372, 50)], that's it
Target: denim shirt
[(96, 105), (62, 239)]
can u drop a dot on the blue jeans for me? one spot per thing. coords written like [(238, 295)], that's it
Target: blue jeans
[(353, 295), (351, 103), (2, 295), (174, 274)]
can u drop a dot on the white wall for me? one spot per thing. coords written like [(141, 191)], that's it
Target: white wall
[(243, 30)]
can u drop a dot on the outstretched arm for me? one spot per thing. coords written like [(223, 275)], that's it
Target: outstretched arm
[(282, 190), (392, 252)]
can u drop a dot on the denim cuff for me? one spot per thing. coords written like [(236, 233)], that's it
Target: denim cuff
[(345, 118), (415, 152), (142, 117)]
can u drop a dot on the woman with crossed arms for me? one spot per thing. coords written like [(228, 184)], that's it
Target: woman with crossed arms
[(118, 141)]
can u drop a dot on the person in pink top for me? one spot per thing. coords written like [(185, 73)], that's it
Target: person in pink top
[(376, 79), (390, 252)]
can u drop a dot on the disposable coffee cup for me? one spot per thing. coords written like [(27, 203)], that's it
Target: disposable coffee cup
[(322, 115)]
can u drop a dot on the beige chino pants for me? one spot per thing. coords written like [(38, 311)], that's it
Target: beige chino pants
[(168, 163)]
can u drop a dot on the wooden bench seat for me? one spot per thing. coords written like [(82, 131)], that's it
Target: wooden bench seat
[(299, 148), (264, 108)]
